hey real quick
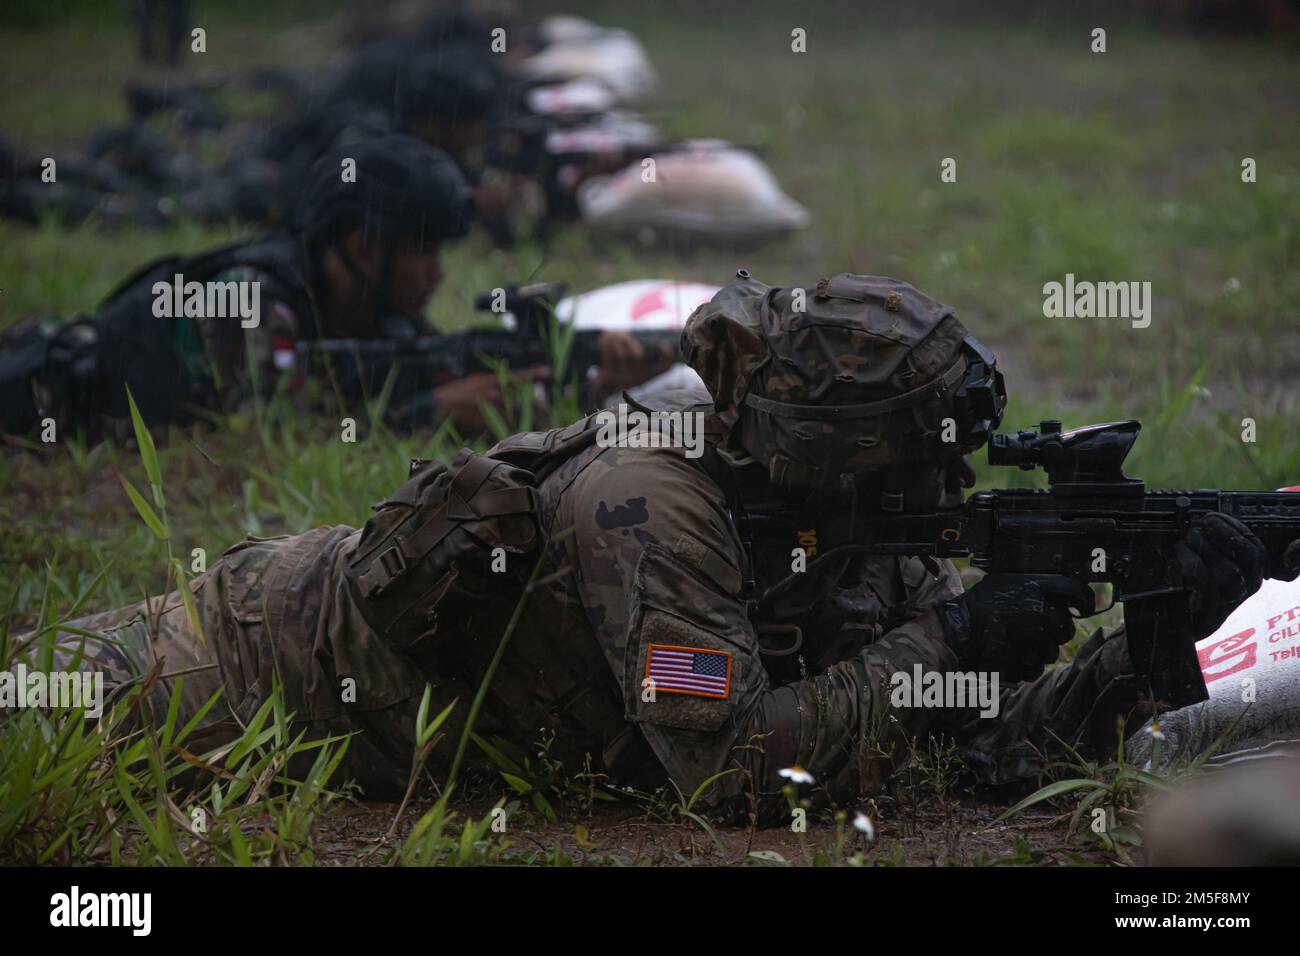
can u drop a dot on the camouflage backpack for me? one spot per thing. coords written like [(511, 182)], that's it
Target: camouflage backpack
[(457, 537)]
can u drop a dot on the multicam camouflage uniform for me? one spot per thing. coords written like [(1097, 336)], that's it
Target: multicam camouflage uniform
[(267, 607), (646, 554)]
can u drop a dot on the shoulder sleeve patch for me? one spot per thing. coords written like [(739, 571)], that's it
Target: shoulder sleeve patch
[(692, 671), (665, 689), (673, 669), (691, 657)]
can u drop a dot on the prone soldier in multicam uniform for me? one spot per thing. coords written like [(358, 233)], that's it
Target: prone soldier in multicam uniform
[(655, 642)]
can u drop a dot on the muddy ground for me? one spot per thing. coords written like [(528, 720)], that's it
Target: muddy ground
[(932, 833)]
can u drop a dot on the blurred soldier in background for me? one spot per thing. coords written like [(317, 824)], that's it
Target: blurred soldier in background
[(161, 27), (360, 262)]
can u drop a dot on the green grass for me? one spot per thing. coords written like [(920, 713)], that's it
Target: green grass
[(1118, 166), (122, 788)]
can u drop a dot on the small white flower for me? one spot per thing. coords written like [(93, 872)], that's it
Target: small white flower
[(862, 823), (1156, 732), (796, 774), (1232, 285)]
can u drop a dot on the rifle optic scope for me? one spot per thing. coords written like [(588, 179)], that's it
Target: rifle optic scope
[(1090, 453)]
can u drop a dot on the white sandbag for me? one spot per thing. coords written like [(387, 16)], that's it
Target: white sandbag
[(704, 188), (612, 57), (647, 304), (641, 304), (613, 132), (680, 376), (579, 96), (1252, 672), (565, 28)]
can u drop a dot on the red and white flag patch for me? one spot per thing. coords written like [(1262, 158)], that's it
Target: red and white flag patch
[(689, 670)]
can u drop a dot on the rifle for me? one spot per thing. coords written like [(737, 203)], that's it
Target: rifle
[(1093, 523), (427, 362)]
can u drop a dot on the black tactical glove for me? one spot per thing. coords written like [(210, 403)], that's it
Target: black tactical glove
[(1014, 624), (1287, 568), (1222, 563)]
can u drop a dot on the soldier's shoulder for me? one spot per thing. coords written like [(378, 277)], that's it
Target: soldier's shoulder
[(663, 473), (653, 496)]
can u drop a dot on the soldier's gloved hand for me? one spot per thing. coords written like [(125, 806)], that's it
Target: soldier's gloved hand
[(1014, 624), (1287, 568), (1222, 563)]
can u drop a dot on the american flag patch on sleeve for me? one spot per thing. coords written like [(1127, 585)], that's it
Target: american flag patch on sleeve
[(689, 670)]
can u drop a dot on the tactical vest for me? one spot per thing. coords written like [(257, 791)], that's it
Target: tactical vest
[(135, 348), (79, 371)]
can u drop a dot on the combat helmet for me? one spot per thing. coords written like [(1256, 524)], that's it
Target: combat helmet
[(457, 83), (857, 376), (402, 188), (404, 191)]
